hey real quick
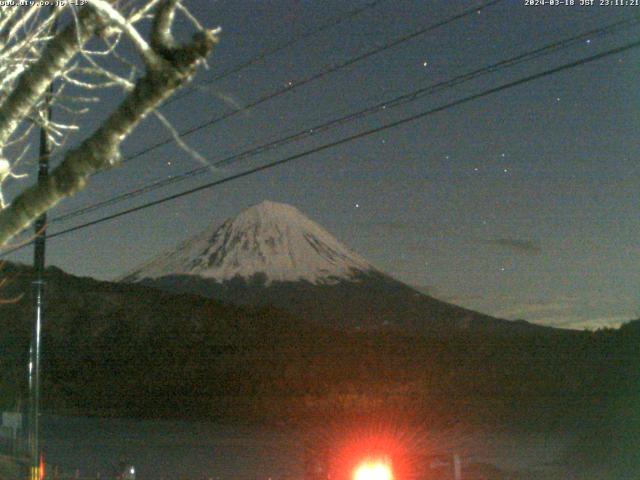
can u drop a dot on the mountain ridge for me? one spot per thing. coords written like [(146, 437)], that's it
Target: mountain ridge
[(272, 254)]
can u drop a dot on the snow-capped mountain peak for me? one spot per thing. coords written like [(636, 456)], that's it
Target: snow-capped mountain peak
[(271, 239)]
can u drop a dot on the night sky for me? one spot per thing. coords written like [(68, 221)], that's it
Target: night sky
[(522, 204)]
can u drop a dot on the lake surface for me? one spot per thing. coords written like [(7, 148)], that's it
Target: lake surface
[(199, 450), (170, 449)]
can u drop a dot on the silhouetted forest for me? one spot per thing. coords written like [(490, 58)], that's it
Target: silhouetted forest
[(129, 350)]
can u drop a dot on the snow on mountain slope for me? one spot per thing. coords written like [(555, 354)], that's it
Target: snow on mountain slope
[(270, 238)]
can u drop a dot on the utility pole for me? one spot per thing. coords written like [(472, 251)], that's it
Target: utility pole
[(38, 296), (38, 299)]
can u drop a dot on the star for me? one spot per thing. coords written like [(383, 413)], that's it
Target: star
[(506, 170), (588, 41), (357, 205), (425, 63)]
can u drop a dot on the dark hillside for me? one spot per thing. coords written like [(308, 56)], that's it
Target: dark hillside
[(115, 349)]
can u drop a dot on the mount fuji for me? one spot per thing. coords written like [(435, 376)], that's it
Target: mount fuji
[(271, 240), (272, 254)]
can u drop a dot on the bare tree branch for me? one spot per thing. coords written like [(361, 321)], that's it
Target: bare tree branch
[(115, 18), (34, 82), (175, 65)]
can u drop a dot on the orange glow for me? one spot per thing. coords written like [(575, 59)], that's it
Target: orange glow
[(377, 470)]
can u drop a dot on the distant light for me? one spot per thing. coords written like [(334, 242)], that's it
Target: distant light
[(424, 64), (373, 471), (132, 470)]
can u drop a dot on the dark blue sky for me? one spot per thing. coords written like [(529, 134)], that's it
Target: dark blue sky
[(522, 204)]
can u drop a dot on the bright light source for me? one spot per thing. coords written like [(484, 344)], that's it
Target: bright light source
[(376, 470)]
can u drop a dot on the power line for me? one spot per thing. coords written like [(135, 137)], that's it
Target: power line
[(292, 86), (366, 133), (397, 101), (288, 89), (283, 46)]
